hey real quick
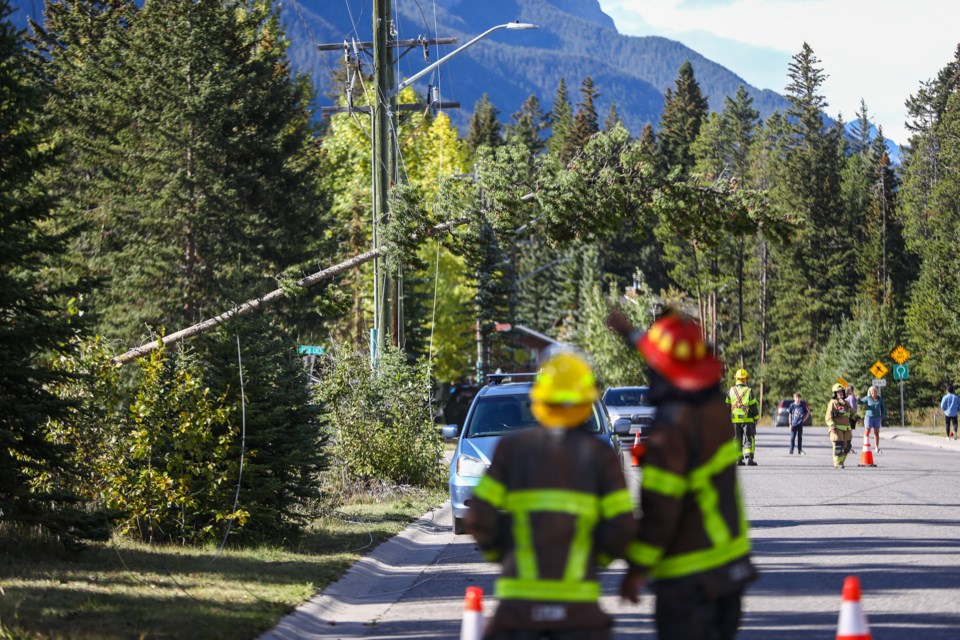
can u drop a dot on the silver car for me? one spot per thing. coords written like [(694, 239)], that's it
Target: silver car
[(633, 404), (500, 408)]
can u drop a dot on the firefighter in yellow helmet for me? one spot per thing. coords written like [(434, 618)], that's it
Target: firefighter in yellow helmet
[(839, 418), (552, 506), (692, 535), (744, 412)]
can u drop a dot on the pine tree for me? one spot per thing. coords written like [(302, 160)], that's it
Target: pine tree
[(484, 126), (684, 111), (284, 446), (527, 126), (39, 315), (560, 145), (585, 122), (613, 118)]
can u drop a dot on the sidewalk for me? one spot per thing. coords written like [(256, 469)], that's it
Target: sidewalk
[(348, 607), (906, 435)]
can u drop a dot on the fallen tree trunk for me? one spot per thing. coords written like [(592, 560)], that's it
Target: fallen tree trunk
[(251, 305)]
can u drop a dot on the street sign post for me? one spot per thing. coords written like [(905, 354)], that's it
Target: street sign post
[(879, 382), (901, 372), (878, 370), (900, 354)]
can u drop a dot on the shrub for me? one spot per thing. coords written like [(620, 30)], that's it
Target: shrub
[(380, 419)]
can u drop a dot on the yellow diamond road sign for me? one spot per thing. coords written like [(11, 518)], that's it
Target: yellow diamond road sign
[(878, 370), (899, 354), (842, 382)]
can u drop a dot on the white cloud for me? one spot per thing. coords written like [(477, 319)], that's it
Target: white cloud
[(878, 50)]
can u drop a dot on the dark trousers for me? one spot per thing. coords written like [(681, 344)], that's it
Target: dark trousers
[(682, 615), (951, 421), (555, 634), (796, 433), (745, 433)]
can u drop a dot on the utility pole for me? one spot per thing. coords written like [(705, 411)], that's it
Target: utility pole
[(387, 313), (383, 163)]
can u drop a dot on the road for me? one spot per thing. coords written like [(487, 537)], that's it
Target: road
[(895, 526)]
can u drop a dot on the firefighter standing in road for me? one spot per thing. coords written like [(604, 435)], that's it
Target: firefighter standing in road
[(553, 503), (692, 535), (744, 412), (840, 417)]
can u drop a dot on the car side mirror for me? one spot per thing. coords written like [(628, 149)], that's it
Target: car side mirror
[(621, 426), (451, 431)]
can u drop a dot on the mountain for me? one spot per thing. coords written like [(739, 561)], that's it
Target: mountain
[(575, 39)]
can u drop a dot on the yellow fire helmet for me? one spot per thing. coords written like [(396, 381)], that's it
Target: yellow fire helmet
[(740, 375), (564, 391), (837, 387)]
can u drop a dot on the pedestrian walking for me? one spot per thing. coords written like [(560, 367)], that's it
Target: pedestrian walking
[(874, 413), (744, 412), (692, 535), (553, 502), (950, 405), (799, 412), (838, 420)]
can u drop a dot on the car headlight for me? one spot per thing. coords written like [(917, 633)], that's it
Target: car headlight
[(470, 467)]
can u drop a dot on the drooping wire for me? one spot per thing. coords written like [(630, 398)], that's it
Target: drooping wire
[(243, 447)]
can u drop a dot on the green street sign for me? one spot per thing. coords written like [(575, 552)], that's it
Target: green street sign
[(309, 350), (901, 372)]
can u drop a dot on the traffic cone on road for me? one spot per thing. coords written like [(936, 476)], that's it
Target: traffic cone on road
[(471, 627), (637, 450), (852, 624), (866, 453)]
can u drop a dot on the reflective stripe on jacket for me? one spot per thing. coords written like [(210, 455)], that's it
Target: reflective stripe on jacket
[(743, 406), (693, 518), (551, 508), (838, 415)]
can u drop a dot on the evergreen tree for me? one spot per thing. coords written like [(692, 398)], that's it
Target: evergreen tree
[(684, 111), (484, 126), (613, 118), (284, 445), (209, 177), (527, 126), (585, 122), (39, 315), (816, 278), (560, 144)]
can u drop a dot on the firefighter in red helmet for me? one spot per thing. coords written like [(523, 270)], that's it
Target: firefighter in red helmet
[(691, 544)]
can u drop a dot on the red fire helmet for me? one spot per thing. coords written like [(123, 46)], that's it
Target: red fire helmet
[(674, 348)]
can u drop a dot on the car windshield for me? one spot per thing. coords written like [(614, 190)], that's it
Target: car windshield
[(499, 415), (626, 397)]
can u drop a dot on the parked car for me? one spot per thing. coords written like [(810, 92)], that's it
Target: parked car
[(501, 407), (782, 418), (633, 404)]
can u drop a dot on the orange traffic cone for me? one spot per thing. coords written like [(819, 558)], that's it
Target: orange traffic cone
[(852, 624), (637, 450), (471, 627), (866, 453)]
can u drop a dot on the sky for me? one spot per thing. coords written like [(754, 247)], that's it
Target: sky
[(875, 50)]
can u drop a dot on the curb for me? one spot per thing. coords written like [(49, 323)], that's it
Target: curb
[(372, 585)]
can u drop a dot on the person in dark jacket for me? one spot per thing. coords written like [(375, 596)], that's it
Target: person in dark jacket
[(551, 508), (691, 541)]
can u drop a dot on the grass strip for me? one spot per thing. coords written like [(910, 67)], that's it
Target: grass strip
[(134, 590)]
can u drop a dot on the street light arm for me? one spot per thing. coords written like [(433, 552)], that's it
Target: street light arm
[(510, 25)]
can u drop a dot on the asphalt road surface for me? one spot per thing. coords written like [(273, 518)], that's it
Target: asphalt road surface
[(896, 526)]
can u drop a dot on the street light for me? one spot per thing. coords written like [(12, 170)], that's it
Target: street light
[(513, 26)]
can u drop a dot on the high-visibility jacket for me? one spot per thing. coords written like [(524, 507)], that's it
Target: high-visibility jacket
[(743, 406), (552, 506), (693, 524), (839, 414)]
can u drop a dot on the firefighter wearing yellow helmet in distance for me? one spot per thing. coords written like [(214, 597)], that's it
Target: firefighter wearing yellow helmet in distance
[(839, 420), (552, 506), (744, 412)]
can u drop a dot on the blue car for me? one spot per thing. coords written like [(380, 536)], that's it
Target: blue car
[(500, 408)]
